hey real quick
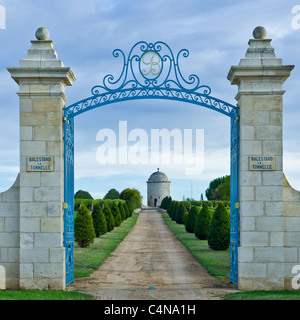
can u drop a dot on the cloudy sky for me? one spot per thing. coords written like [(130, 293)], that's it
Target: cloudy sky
[(85, 33)]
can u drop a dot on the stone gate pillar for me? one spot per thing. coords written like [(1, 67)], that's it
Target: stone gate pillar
[(262, 253), (42, 79)]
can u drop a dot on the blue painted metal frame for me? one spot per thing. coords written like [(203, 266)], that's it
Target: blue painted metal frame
[(150, 71), (234, 201), (69, 198)]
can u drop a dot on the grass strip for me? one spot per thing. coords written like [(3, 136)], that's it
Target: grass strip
[(43, 295), (217, 263), (264, 295)]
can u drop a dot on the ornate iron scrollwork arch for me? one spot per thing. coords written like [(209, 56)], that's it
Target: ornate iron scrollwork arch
[(151, 71)]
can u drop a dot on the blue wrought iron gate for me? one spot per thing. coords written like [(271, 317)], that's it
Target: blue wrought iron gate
[(151, 71), (234, 200), (69, 198)]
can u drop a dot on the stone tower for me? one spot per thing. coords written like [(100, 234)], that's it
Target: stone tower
[(158, 188)]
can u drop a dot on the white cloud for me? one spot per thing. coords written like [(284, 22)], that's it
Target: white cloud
[(291, 165)]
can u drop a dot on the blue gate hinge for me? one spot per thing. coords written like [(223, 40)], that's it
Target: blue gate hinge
[(237, 205), (65, 205)]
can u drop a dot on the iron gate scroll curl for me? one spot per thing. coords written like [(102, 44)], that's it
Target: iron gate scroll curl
[(150, 71)]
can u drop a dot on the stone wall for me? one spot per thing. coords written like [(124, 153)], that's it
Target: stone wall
[(291, 238), (9, 237)]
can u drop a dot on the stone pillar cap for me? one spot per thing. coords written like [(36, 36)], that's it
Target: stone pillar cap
[(259, 32), (42, 34), (260, 61)]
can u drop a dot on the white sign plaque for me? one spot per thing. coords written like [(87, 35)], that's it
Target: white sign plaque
[(40, 163), (262, 163)]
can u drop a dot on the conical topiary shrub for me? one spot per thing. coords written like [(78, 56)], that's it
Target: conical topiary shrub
[(219, 229), (99, 221), (180, 213), (116, 213), (203, 222), (122, 211), (163, 202), (83, 226), (110, 221), (168, 205), (126, 210), (130, 207), (191, 219), (170, 208), (174, 210)]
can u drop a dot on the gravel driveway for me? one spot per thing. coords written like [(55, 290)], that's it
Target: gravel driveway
[(152, 264)]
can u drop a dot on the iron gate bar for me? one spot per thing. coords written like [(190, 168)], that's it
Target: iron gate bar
[(150, 71), (234, 201), (69, 199)]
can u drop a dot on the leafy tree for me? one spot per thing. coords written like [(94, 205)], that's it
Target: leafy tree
[(219, 189), (224, 189), (191, 219), (203, 222), (80, 194), (99, 221), (84, 229), (132, 195), (116, 213), (112, 194), (180, 213), (110, 221), (219, 229)]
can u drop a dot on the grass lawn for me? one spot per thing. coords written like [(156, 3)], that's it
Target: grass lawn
[(42, 295), (217, 263), (86, 261), (264, 295)]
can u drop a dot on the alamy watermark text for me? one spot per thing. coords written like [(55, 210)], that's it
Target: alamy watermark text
[(163, 146)]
